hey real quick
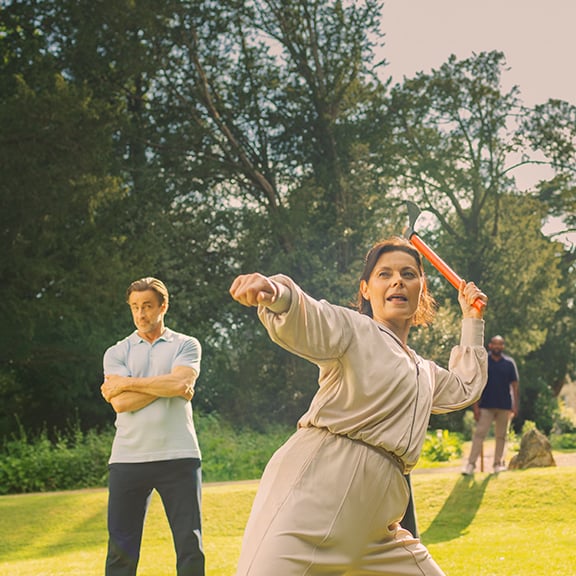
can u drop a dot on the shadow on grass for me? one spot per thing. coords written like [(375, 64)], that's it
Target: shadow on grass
[(458, 511), (43, 525)]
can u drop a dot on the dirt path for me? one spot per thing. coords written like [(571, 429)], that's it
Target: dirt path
[(561, 459)]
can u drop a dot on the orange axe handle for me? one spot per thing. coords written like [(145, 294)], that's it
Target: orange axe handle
[(441, 266)]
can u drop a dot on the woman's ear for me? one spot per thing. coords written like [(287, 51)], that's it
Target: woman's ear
[(364, 290)]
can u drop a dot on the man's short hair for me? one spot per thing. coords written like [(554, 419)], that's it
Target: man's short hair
[(149, 283)]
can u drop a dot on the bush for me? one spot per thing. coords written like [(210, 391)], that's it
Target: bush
[(565, 421), (80, 460), (236, 454), (563, 441), (528, 426), (442, 446), (75, 460), (468, 425), (546, 411)]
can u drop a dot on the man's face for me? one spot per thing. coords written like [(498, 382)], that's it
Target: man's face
[(496, 346), (147, 312)]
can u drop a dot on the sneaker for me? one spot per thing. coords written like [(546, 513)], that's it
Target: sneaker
[(499, 468), (468, 469)]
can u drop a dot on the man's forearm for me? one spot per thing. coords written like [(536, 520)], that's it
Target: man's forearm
[(131, 401), (163, 386), (179, 382)]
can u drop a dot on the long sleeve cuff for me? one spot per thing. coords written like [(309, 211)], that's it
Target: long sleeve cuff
[(283, 299), (472, 332)]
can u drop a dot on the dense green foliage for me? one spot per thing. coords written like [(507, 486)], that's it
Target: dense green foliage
[(441, 446), (41, 465), (236, 454), (80, 460), (193, 140), (76, 460), (563, 441)]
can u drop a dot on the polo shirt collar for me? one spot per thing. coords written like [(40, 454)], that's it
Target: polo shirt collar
[(167, 335)]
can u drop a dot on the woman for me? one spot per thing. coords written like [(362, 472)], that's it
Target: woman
[(330, 499)]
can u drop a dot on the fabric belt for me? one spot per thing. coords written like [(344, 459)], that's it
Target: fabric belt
[(386, 453), (394, 457)]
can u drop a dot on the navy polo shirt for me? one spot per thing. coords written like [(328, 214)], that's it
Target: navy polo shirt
[(501, 373)]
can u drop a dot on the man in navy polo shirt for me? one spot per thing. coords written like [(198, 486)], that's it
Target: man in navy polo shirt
[(499, 403), (149, 381)]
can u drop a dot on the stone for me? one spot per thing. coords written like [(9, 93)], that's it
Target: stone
[(535, 452)]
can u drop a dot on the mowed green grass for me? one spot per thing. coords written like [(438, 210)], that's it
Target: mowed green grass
[(515, 524)]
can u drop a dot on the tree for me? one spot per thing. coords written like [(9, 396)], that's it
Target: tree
[(260, 109), (61, 196), (233, 142), (193, 140), (554, 128), (459, 140), (55, 186)]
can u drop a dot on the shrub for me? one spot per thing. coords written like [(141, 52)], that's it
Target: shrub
[(527, 426), (235, 454), (73, 460), (80, 460), (563, 441), (545, 410), (565, 420), (468, 425), (442, 446)]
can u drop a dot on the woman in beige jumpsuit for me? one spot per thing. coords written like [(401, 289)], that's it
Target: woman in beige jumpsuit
[(330, 499)]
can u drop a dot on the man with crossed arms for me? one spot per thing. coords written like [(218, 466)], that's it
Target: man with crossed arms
[(149, 381)]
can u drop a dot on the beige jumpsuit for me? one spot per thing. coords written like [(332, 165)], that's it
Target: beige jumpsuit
[(331, 497)]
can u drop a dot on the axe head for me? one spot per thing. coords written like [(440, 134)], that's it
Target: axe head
[(413, 213)]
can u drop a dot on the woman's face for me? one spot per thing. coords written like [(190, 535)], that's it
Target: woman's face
[(393, 288)]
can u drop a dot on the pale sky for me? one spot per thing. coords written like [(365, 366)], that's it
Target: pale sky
[(538, 38)]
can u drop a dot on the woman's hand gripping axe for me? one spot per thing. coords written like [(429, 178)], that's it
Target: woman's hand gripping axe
[(430, 255)]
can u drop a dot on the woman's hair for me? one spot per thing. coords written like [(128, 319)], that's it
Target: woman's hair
[(149, 283), (426, 306)]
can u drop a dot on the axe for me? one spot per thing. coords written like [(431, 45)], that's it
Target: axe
[(430, 255)]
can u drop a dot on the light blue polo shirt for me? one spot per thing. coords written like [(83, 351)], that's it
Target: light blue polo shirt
[(163, 430)]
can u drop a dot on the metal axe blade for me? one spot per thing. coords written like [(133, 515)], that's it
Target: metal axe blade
[(413, 213)]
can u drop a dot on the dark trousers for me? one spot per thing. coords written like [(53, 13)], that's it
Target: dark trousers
[(178, 482), (409, 520)]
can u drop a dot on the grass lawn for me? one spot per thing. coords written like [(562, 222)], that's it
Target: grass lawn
[(515, 524)]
